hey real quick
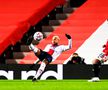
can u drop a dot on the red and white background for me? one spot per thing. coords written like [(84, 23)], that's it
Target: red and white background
[(92, 46)]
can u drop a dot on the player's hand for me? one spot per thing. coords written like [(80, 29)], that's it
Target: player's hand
[(68, 36)]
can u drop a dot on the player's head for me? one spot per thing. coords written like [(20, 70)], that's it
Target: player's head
[(55, 40)]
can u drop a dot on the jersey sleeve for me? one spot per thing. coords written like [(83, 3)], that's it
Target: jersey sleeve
[(67, 47)]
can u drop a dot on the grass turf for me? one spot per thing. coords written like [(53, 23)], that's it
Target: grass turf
[(53, 85)]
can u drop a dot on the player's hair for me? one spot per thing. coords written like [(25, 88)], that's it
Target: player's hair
[(56, 37)]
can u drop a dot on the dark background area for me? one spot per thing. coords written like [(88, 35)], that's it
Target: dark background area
[(69, 71)]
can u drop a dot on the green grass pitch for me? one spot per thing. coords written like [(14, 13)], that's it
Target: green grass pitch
[(53, 85)]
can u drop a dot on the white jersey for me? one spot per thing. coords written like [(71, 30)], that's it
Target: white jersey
[(57, 50)]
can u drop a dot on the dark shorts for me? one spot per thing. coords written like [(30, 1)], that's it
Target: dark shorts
[(44, 55)]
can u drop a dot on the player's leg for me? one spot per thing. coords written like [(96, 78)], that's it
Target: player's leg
[(96, 70), (41, 69), (96, 67), (46, 59), (34, 49), (37, 52), (31, 46)]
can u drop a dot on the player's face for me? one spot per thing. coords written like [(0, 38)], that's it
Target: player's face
[(55, 41)]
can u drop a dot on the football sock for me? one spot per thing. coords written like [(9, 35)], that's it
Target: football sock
[(40, 70), (96, 70), (33, 48)]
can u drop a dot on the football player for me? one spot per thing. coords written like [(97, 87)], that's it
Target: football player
[(49, 54)]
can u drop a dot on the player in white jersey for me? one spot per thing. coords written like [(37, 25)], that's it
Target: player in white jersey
[(49, 54)]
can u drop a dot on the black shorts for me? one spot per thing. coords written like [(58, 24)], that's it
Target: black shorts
[(44, 55)]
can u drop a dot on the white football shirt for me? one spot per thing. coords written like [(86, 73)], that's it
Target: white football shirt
[(57, 50)]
